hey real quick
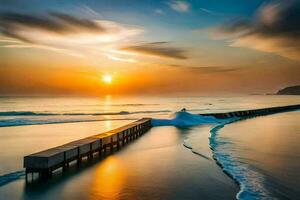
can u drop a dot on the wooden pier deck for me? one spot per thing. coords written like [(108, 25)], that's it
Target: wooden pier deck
[(45, 162)]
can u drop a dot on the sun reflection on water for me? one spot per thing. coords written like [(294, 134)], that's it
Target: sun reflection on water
[(108, 180)]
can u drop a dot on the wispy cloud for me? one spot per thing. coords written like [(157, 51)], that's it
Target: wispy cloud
[(158, 49), (275, 28), (61, 32), (89, 11), (211, 12), (121, 59), (159, 11), (13, 23), (179, 6), (207, 70), (23, 45)]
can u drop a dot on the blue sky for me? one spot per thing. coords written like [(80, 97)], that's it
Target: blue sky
[(200, 13)]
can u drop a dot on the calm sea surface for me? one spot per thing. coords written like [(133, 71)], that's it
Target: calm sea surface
[(261, 154)]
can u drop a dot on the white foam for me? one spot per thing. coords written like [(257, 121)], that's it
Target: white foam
[(251, 181), (183, 119), (41, 121)]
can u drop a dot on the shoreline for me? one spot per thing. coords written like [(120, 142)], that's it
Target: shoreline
[(218, 158)]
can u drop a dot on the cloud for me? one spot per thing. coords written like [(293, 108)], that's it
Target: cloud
[(275, 28), (63, 33), (81, 24), (179, 6), (159, 11), (210, 11), (58, 23), (121, 59), (207, 70), (159, 49)]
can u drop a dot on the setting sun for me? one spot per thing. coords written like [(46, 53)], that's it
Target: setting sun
[(107, 79)]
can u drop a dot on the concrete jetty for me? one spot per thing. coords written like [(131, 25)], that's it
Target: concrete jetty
[(254, 112), (45, 162)]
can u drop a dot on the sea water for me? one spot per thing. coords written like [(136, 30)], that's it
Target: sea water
[(261, 155), (30, 124)]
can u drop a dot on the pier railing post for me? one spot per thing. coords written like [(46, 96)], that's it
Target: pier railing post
[(111, 144), (118, 141), (123, 138), (78, 157), (100, 147)]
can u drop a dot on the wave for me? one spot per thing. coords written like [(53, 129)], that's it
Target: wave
[(21, 118), (23, 122), (251, 182), (184, 119), (13, 176), (30, 113)]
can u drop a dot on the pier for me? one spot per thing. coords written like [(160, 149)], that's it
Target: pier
[(45, 162)]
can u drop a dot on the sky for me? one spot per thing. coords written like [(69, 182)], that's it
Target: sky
[(148, 47)]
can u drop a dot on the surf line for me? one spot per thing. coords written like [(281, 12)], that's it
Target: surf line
[(238, 171)]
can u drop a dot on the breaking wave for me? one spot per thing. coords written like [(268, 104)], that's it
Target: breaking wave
[(21, 118), (30, 113), (24, 121), (183, 119)]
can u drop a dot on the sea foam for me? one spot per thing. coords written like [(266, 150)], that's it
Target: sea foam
[(26, 121), (182, 119), (31, 113), (21, 118), (251, 181)]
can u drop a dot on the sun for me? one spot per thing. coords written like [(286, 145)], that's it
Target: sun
[(107, 79)]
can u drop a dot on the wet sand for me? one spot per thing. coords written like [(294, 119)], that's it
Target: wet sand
[(156, 166)]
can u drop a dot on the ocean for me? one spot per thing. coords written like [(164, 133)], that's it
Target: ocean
[(185, 156)]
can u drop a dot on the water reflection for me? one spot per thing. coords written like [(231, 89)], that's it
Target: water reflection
[(108, 180), (156, 166)]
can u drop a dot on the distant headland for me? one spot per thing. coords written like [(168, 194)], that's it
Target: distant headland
[(292, 90)]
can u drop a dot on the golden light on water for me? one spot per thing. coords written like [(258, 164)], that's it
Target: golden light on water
[(107, 79), (108, 180)]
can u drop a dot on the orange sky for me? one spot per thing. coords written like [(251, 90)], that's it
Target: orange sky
[(63, 53)]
